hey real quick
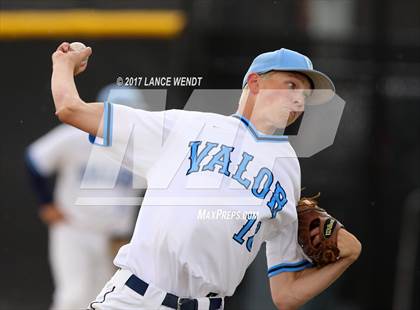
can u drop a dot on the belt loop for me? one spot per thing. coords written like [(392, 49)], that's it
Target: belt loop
[(203, 303)]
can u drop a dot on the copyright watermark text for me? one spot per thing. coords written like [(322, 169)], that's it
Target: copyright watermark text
[(160, 81)]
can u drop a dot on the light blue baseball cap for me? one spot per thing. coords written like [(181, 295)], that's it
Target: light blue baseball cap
[(288, 60)]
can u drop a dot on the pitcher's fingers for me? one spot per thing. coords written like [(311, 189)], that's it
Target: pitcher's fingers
[(86, 52), (64, 47), (81, 68)]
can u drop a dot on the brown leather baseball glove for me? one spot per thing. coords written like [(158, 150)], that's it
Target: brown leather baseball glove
[(310, 217)]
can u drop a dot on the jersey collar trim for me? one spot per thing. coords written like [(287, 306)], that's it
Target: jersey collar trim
[(256, 134)]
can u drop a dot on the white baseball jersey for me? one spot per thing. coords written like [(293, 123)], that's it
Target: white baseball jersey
[(205, 173), (65, 151)]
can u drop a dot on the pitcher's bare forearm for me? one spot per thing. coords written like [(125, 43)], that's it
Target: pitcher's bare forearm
[(290, 290), (63, 87), (311, 282), (70, 108)]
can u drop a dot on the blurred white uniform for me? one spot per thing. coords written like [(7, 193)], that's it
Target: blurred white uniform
[(79, 250), (79, 246)]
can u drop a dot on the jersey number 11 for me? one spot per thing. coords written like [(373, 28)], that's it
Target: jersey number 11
[(239, 236)]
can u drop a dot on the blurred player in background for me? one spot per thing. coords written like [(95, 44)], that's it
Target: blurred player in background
[(80, 236)]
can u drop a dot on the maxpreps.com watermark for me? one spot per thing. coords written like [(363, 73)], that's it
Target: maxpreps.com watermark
[(159, 81), (220, 214)]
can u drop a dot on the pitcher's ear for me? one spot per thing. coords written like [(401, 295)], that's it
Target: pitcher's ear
[(253, 82)]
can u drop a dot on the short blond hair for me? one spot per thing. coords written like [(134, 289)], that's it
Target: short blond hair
[(263, 75)]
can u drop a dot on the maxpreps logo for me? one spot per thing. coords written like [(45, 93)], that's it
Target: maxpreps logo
[(317, 131), (220, 214)]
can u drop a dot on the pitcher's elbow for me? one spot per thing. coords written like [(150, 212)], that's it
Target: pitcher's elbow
[(68, 111), (282, 303), (63, 114)]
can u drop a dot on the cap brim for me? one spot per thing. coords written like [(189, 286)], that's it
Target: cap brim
[(324, 89)]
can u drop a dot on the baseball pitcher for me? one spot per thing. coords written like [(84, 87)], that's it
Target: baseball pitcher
[(182, 254)]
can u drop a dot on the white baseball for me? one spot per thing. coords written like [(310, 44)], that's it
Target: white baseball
[(77, 47)]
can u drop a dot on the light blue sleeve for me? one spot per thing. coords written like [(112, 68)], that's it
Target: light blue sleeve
[(284, 253), (132, 137), (107, 127)]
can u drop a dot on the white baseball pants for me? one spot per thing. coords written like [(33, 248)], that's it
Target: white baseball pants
[(116, 296), (81, 263)]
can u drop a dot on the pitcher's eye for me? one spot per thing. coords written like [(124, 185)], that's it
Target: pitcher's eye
[(291, 85)]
